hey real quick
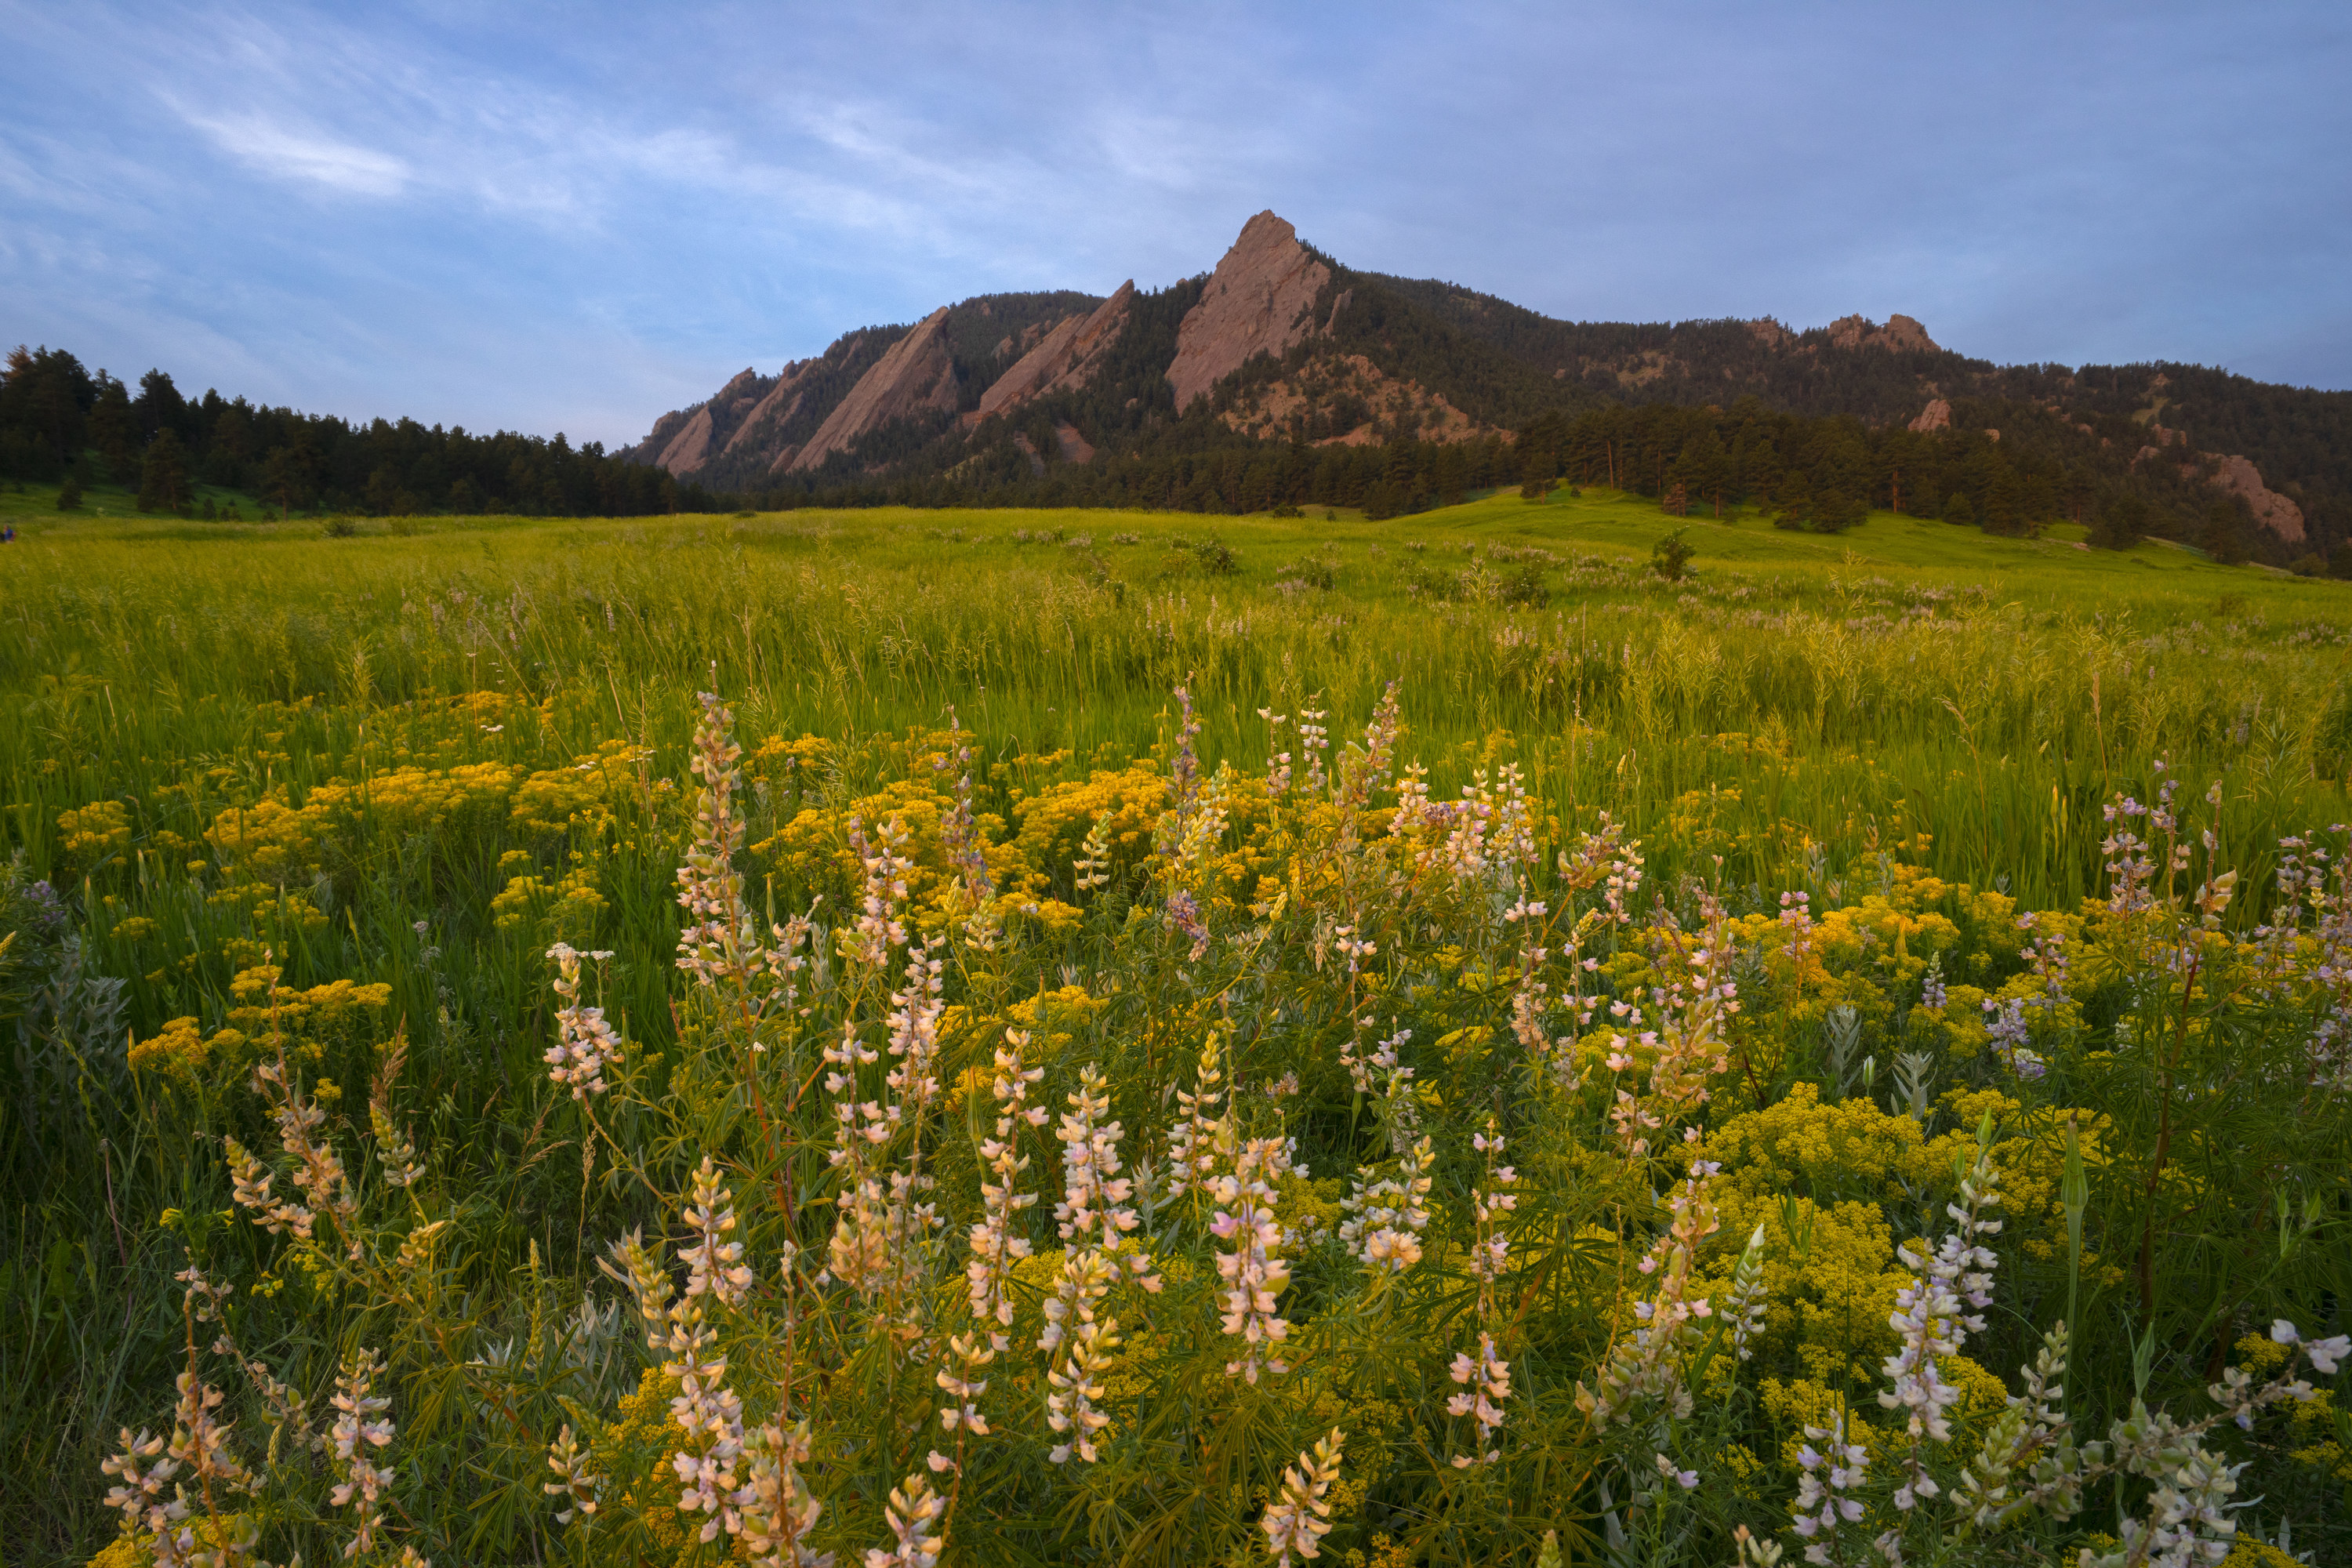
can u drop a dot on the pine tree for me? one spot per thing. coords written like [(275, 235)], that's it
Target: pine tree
[(164, 474)]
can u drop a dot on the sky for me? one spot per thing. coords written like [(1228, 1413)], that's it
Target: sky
[(575, 218)]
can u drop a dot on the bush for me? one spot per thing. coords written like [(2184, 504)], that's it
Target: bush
[(1670, 558), (341, 528)]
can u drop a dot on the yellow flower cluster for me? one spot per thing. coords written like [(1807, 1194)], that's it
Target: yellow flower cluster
[(95, 836), (267, 1018)]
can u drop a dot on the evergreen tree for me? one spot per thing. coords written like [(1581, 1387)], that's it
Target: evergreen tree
[(113, 429), (164, 474), (2120, 524), (69, 493)]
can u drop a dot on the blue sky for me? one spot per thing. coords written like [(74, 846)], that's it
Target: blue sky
[(574, 217)]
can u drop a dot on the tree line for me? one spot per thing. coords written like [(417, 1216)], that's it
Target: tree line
[(61, 422)]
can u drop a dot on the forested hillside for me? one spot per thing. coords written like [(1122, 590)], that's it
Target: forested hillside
[(60, 421)]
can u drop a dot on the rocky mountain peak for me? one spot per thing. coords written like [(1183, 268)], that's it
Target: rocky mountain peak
[(1255, 302)]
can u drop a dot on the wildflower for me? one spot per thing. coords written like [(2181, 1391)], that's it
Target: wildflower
[(585, 1044), (394, 1149), (1254, 1272), (913, 1513), (1487, 1383), (995, 1245), (1072, 1406), (1192, 1143), (1645, 1364), (716, 941), (1929, 1319), (961, 1386), (1092, 867), (714, 1266), (1300, 1517), (142, 1470), (880, 924), (574, 1484), (2007, 1033), (1830, 1479), (1095, 1197), (2325, 1354), (359, 1425), (1744, 1309), (778, 1510), (1387, 1216)]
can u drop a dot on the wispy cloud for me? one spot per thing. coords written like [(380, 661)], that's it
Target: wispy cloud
[(302, 155)]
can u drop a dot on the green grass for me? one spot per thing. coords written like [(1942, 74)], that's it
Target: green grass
[(1803, 713), (24, 503)]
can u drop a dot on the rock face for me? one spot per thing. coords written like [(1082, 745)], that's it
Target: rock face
[(1065, 358), (913, 376), (778, 407), (2273, 510), (1901, 333), (685, 451), (1937, 416), (1257, 302)]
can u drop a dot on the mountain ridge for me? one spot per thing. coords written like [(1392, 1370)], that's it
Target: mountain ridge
[(1282, 345)]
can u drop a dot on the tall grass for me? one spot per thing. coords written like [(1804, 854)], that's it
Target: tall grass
[(1811, 724)]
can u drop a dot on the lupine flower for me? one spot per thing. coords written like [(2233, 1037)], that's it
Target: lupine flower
[(586, 1044), (716, 941), (1095, 1207), (1745, 1307), (1277, 764), (1254, 1270), (359, 1425), (880, 926), (913, 1513), (142, 1470), (1930, 1323), (778, 1511), (1833, 1473), (970, 1354), (996, 1245), (1487, 1383), (573, 1484), (1192, 1141), (1387, 1215), (1299, 1518), (2325, 1354), (714, 1265), (1071, 1407), (1644, 1366), (392, 1149), (1092, 867)]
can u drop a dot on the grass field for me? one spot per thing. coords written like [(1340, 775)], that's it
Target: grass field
[(277, 795)]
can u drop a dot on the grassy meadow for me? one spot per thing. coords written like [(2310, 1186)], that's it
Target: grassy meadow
[(326, 806)]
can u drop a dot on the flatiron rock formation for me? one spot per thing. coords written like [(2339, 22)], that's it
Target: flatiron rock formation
[(1067, 358), (1258, 302), (913, 376)]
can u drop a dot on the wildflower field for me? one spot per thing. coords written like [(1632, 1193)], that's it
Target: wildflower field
[(895, 1037)]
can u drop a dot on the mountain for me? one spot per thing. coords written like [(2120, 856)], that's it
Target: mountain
[(1285, 376)]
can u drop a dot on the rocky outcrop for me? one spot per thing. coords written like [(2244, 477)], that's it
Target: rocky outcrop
[(1255, 302), (2273, 510), (1901, 335), (1937, 416), (784, 400), (914, 376), (1065, 358), (1327, 383), (687, 450)]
